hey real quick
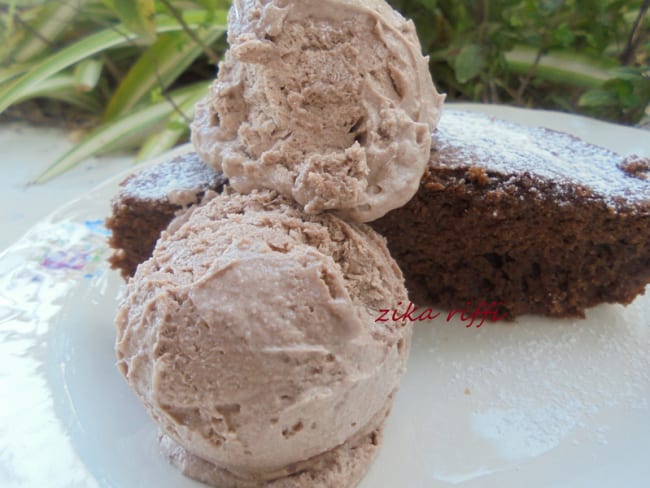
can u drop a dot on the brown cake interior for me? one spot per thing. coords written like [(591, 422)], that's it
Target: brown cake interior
[(468, 239), (149, 200), (536, 219), (515, 222)]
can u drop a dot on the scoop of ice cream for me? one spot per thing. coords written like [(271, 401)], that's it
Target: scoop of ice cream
[(250, 334), (341, 467), (329, 102)]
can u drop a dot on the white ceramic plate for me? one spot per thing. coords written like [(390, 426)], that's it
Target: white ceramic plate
[(537, 403)]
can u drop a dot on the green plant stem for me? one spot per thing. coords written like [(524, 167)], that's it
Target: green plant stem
[(633, 39), (175, 128), (179, 17), (529, 75), (158, 66)]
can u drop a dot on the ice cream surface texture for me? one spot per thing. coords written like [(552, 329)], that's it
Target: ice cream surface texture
[(250, 337), (329, 102)]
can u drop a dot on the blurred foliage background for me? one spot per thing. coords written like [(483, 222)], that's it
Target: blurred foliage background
[(124, 74), (579, 56)]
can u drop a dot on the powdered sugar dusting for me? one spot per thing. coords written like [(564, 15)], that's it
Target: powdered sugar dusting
[(512, 149), (172, 180)]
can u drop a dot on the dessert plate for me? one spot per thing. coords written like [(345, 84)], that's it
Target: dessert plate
[(534, 403)]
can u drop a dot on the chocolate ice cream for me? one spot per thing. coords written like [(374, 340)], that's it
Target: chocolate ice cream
[(329, 102), (250, 337)]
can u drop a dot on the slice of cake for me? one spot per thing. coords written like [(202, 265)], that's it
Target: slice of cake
[(534, 218), (531, 217), (149, 200)]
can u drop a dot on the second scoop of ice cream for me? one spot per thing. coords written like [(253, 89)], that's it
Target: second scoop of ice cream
[(250, 334), (329, 102)]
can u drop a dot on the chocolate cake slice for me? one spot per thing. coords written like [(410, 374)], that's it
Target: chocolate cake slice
[(147, 201), (534, 218)]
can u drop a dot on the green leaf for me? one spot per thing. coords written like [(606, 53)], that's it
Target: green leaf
[(549, 6), (213, 5), (12, 71), (469, 63), (158, 67), (53, 19), (85, 48), (624, 91), (597, 98), (111, 133), (560, 67), (23, 3), (86, 74), (64, 87), (630, 73), (175, 128), (138, 16), (563, 35), (430, 5)]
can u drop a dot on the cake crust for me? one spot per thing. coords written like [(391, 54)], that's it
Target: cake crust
[(148, 200), (537, 219), (534, 218)]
